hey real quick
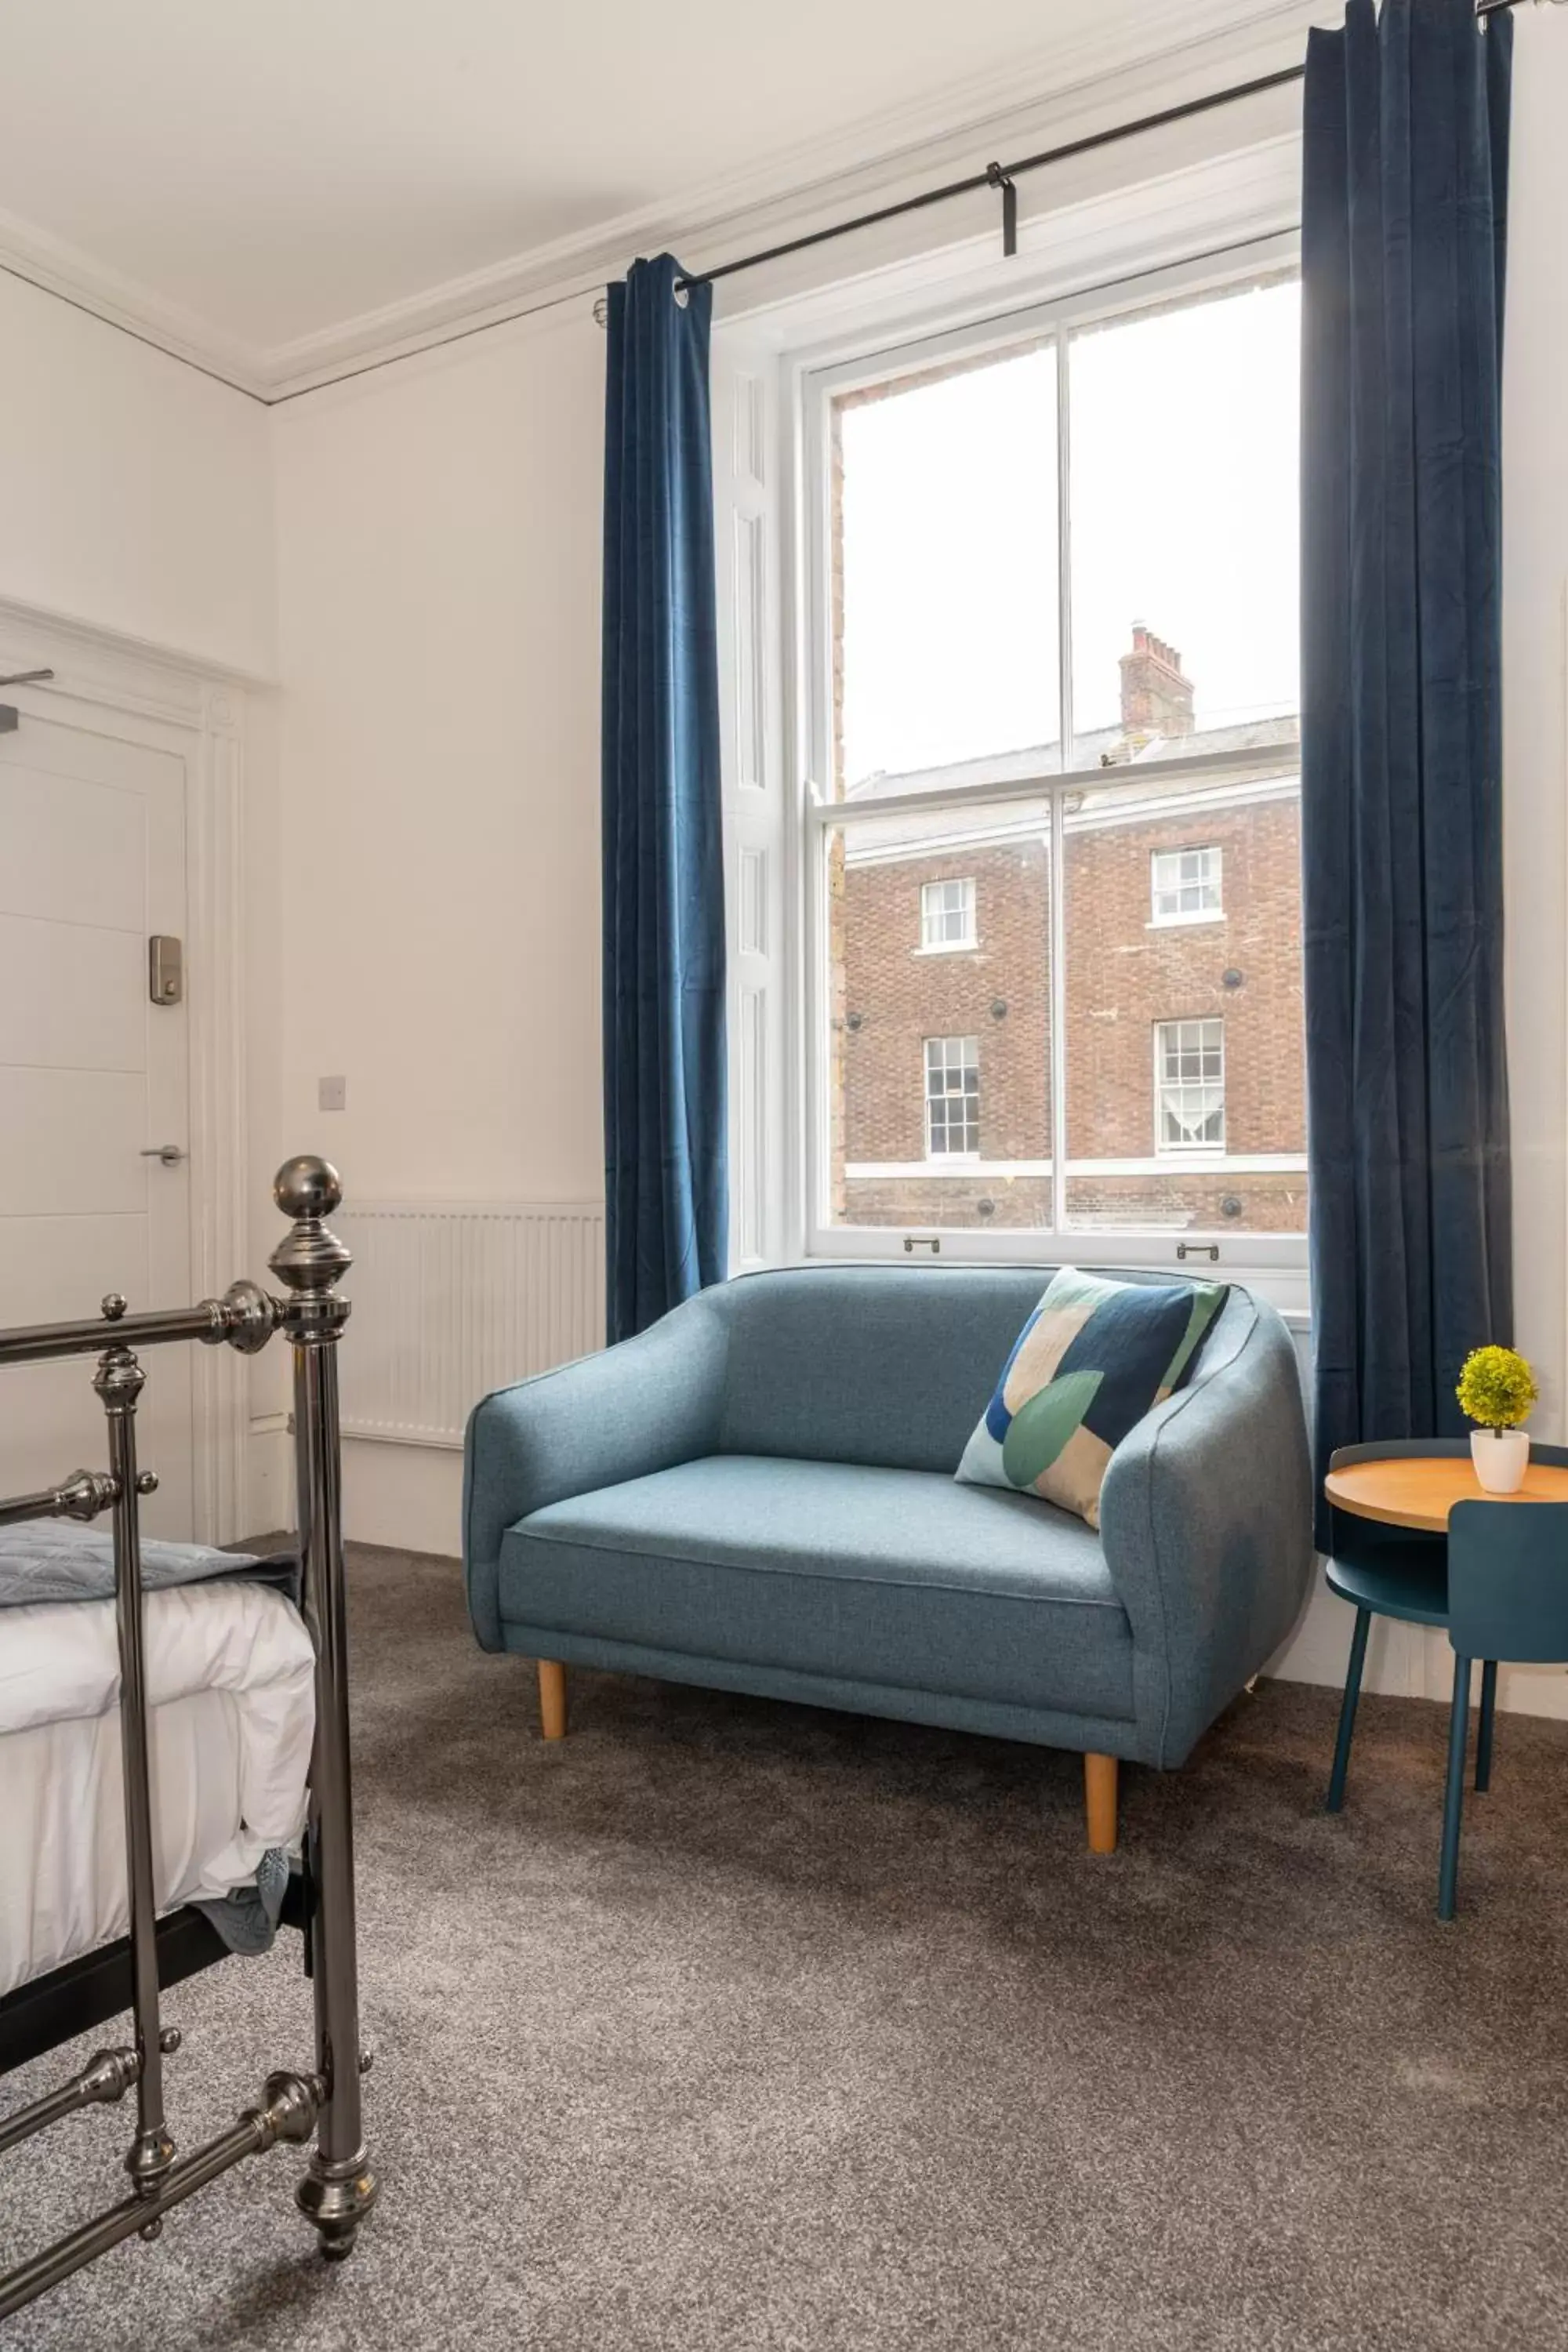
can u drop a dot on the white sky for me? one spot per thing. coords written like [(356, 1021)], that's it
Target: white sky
[(1184, 516)]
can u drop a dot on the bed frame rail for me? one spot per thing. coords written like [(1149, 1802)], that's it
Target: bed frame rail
[(322, 2101)]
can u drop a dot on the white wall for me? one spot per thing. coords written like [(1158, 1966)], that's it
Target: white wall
[(439, 563), (1535, 731), (135, 494), (136, 497), (1535, 629)]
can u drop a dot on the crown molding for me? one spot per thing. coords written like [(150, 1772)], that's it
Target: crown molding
[(1169, 50), (95, 662), (55, 267)]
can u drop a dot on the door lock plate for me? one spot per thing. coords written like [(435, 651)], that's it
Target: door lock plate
[(165, 969)]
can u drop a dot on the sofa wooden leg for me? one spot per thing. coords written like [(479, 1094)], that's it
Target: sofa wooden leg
[(1100, 1802), (552, 1700)]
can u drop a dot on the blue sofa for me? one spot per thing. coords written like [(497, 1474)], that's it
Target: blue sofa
[(757, 1495)]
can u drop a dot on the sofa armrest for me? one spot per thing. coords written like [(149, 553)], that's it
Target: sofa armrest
[(1206, 1521), (645, 1405)]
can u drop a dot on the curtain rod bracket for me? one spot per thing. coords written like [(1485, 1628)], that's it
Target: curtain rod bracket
[(998, 178), (601, 314)]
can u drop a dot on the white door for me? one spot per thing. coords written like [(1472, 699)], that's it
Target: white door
[(93, 1077)]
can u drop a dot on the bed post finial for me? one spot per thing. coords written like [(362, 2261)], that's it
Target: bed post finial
[(310, 1257), (338, 2189)]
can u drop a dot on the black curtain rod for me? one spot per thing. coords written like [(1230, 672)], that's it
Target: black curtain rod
[(1002, 175)]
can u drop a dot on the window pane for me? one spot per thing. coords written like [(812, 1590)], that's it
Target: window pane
[(1186, 1085), (947, 913), (1185, 470), (1177, 1038), (953, 1096), (939, 1065), (945, 646), (1185, 885), (1189, 1081)]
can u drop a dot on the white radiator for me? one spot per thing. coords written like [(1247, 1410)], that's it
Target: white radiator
[(451, 1301)]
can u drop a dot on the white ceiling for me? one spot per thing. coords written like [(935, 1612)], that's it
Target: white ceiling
[(265, 170)]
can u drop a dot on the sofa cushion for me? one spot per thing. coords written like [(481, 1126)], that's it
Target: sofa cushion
[(898, 1576), (1094, 1357)]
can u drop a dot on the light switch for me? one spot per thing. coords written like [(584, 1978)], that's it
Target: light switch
[(331, 1093)]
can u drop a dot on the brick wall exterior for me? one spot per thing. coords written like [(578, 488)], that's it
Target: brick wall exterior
[(1125, 974), (896, 996)]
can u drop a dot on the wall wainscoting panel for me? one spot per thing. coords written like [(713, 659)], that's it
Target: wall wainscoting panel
[(451, 1301)]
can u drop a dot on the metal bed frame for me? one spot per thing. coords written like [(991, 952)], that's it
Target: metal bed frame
[(323, 2102)]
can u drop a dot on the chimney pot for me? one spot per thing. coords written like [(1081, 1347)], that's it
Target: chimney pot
[(1156, 694)]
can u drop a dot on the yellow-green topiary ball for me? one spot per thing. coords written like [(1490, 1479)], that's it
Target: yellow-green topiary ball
[(1497, 1388)]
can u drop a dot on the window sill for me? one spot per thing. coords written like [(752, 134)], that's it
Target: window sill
[(885, 1172), (950, 948), (1202, 1163), (1274, 1265), (1185, 922)]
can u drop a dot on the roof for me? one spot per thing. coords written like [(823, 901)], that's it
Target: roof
[(1125, 798), (1105, 747)]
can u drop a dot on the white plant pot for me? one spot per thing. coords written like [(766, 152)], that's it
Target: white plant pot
[(1502, 1458)]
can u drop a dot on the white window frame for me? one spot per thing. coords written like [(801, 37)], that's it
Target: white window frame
[(931, 903), (968, 1060), (1162, 918), (1274, 1263), (1212, 1154)]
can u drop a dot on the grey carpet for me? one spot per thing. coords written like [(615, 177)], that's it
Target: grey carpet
[(734, 2024)]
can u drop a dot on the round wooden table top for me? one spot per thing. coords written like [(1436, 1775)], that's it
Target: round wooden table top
[(1419, 1490)]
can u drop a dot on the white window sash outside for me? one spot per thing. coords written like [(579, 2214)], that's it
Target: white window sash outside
[(949, 1059), (1171, 883), (1189, 1085), (939, 909)]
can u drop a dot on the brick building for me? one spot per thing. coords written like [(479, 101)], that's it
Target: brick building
[(1183, 1036)]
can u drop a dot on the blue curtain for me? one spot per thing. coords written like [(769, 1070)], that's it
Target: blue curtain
[(1404, 226), (666, 1174)]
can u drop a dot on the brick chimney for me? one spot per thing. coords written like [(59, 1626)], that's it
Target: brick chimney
[(1156, 695)]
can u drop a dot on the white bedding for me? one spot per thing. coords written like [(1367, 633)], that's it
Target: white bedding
[(229, 1683)]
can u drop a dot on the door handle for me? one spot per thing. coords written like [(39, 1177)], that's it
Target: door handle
[(169, 1153)]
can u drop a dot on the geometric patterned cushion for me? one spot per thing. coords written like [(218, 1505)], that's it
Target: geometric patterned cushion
[(1093, 1358)]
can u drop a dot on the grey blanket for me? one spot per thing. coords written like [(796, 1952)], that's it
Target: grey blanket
[(58, 1559)]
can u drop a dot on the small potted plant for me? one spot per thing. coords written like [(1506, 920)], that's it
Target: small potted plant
[(1497, 1389)]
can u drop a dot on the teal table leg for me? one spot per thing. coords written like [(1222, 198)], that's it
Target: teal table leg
[(1484, 1736), (1347, 1711), (1454, 1798)]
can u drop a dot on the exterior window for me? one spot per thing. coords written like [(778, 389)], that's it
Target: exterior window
[(1184, 884), (986, 716), (1189, 1085), (947, 915), (953, 1096)]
